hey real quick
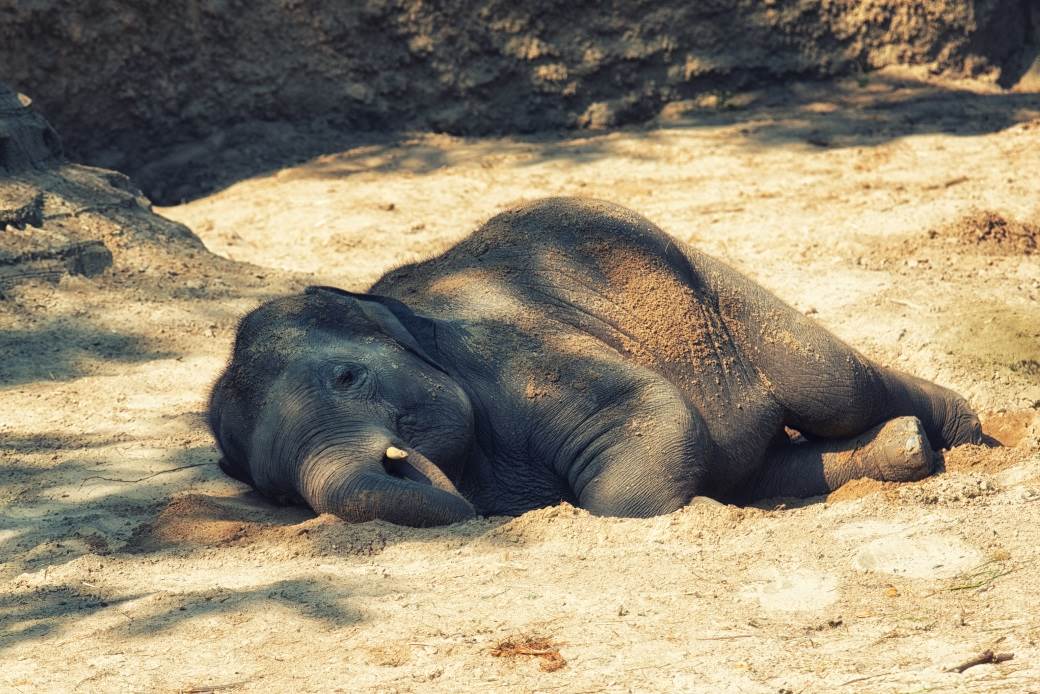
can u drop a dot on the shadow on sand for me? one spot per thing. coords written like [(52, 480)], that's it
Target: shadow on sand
[(876, 108)]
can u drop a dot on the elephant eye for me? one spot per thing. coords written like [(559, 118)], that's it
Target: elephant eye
[(345, 377)]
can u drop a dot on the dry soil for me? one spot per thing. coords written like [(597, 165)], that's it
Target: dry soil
[(899, 211)]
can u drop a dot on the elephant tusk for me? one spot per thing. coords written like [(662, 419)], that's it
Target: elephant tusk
[(394, 453)]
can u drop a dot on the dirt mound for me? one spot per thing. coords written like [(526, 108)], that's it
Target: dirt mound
[(1015, 428), (991, 233), (131, 82), (859, 488), (981, 459), (58, 219), (977, 232), (197, 520)]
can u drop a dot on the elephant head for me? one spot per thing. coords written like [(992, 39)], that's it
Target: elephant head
[(341, 400)]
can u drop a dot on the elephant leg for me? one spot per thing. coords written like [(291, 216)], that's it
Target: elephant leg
[(830, 390), (826, 387), (847, 394), (947, 417), (644, 455), (895, 451)]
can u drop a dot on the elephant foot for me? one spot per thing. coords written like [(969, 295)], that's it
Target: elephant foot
[(898, 450), (894, 451)]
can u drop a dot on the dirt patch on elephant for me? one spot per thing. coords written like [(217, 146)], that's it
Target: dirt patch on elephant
[(660, 318)]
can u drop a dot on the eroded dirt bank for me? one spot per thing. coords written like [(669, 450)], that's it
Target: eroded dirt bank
[(902, 213), (151, 88)]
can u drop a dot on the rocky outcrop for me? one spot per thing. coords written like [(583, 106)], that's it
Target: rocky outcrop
[(58, 218)]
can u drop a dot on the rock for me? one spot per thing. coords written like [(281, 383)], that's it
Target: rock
[(49, 258), (59, 219)]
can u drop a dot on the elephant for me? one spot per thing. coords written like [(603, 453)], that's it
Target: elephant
[(568, 350)]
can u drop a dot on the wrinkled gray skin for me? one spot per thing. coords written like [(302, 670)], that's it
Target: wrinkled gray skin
[(532, 363)]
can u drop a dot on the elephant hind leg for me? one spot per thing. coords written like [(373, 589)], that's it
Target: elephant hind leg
[(894, 451), (827, 388), (947, 417)]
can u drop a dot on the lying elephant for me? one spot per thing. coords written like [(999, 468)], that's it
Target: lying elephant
[(567, 350)]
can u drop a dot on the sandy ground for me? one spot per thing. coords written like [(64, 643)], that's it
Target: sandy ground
[(899, 214)]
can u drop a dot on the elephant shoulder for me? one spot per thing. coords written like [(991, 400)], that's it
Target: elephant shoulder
[(542, 224), (532, 239)]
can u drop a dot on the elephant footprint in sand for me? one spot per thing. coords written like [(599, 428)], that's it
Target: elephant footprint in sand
[(568, 350)]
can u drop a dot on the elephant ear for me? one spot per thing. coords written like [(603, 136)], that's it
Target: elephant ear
[(417, 334), (226, 423)]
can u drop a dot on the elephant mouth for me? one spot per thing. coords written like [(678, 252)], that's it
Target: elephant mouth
[(406, 489), (406, 471), (409, 464)]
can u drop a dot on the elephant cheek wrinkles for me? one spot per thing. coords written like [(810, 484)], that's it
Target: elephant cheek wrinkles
[(297, 428), (278, 437)]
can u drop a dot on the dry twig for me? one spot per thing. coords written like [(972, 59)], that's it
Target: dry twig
[(538, 647), (863, 679), (141, 479), (206, 689), (982, 576), (983, 658)]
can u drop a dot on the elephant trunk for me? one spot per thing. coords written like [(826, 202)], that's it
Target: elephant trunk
[(408, 490)]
